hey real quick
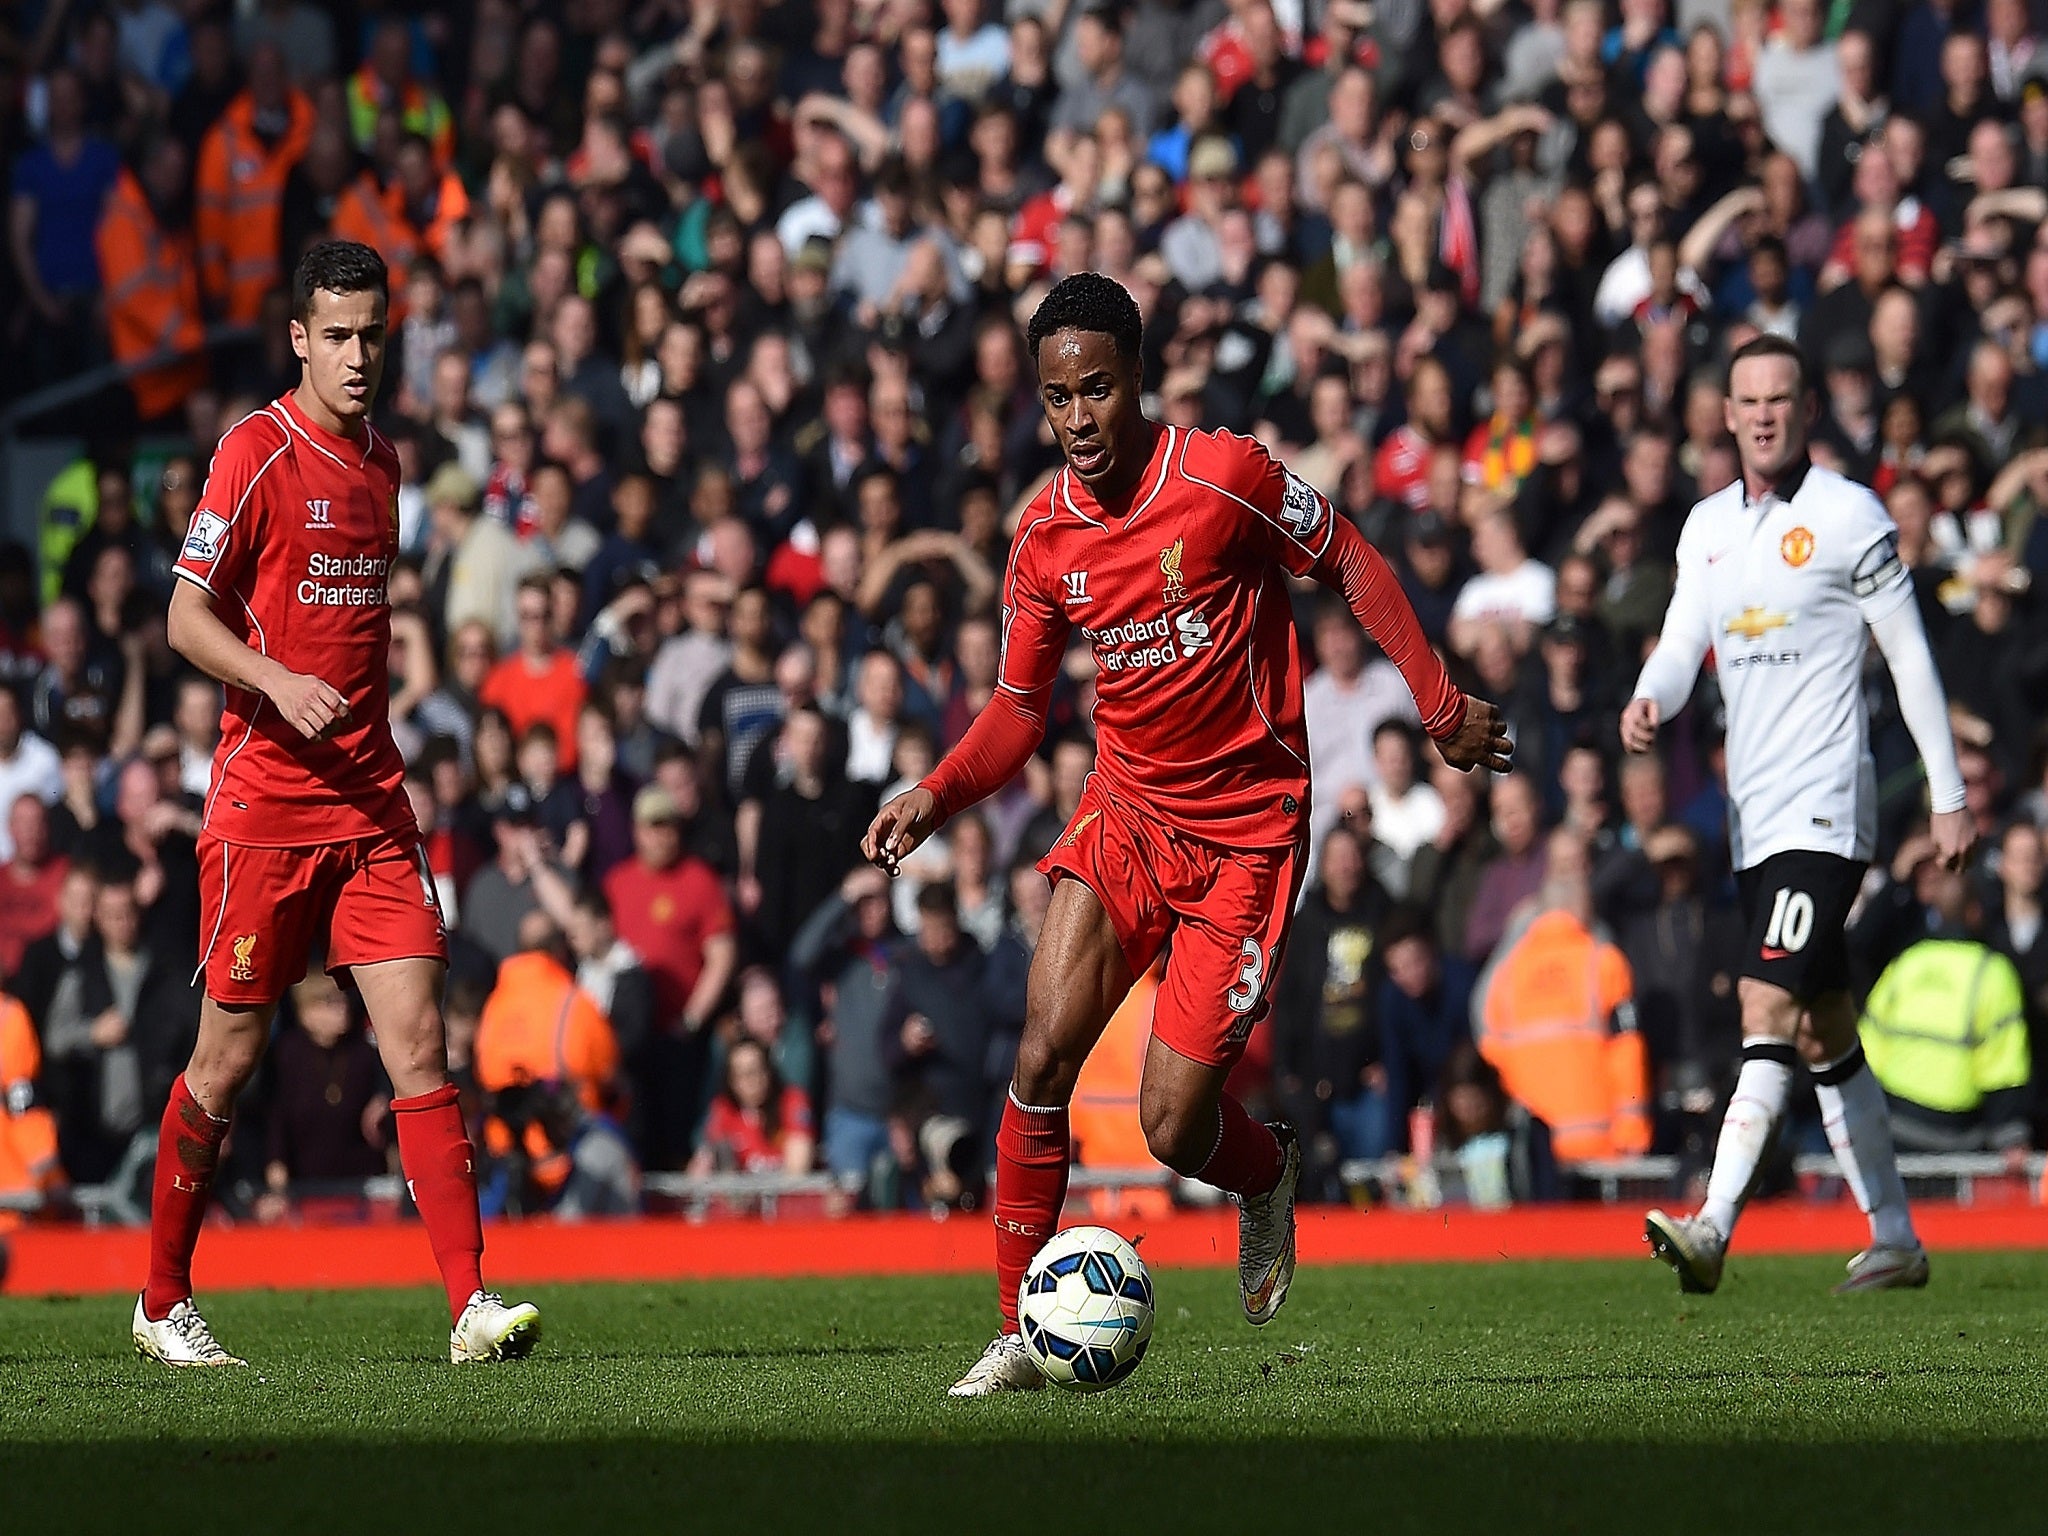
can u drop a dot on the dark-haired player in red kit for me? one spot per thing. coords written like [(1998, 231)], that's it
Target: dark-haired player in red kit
[(1169, 550), (307, 831)]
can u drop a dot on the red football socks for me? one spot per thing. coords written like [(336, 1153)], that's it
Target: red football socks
[(1247, 1159), (1032, 1149), (187, 1148), (440, 1170)]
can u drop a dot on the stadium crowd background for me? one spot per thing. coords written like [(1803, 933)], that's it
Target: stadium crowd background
[(707, 375)]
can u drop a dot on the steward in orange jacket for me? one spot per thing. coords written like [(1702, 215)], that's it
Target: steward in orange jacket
[(433, 201), (1557, 1020), (540, 1043), (373, 214), (151, 279), (244, 162), (28, 1133)]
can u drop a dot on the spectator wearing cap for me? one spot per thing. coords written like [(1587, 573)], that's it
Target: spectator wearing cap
[(1430, 570), (501, 894), (1850, 425), (672, 910), (474, 561), (1192, 243), (540, 681)]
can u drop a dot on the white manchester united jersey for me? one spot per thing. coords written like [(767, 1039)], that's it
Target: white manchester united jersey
[(1781, 589)]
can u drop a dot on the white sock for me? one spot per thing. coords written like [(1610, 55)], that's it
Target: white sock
[(1859, 1128), (1747, 1129)]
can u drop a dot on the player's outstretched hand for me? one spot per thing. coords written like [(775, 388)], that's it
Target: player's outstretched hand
[(311, 706), (899, 827), (1481, 741), (1955, 834), (1639, 724)]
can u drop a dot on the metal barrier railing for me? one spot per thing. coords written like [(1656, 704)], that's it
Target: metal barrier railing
[(1608, 1180)]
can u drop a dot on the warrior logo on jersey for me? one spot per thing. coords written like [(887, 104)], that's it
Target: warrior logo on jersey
[(1169, 566), (1301, 509), (1797, 546), (206, 537)]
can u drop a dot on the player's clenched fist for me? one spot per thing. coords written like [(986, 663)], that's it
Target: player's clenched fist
[(1481, 740), (310, 705), (899, 827), (1639, 724)]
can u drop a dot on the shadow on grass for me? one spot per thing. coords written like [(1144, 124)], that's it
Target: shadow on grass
[(1004, 1481)]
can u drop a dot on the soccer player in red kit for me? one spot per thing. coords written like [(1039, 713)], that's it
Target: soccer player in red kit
[(307, 831), (1169, 550)]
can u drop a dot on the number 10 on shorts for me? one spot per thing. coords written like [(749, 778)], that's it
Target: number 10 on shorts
[(1791, 921)]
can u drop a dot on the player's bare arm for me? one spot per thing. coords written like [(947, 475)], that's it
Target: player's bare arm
[(195, 631)]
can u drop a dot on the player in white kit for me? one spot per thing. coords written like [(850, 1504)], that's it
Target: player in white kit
[(1780, 576)]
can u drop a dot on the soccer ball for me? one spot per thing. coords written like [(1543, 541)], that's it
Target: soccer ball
[(1086, 1309)]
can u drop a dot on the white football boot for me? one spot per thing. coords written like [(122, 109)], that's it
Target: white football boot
[(1265, 1237), (1886, 1269), (1005, 1366), (1692, 1246), (182, 1338), (490, 1330)]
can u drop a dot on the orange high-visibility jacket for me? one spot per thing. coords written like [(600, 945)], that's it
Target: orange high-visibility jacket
[(451, 207), (539, 1027), (1547, 1032), (240, 186), (28, 1141), (375, 216), (151, 279)]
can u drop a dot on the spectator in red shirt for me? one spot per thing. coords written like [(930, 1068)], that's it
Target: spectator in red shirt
[(1400, 470), (672, 910), (538, 684), (28, 882), (758, 1123)]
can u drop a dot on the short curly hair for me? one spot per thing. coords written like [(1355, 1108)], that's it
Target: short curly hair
[(1089, 301), (337, 266)]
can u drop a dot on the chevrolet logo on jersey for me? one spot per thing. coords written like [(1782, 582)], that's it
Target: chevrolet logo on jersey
[(1752, 624)]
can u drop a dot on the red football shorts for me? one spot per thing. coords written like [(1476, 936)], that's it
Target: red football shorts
[(261, 908), (1227, 911)]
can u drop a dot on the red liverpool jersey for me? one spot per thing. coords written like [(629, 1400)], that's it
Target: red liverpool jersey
[(1181, 593), (294, 537)]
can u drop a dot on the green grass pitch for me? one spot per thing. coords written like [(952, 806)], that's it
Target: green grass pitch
[(1509, 1398)]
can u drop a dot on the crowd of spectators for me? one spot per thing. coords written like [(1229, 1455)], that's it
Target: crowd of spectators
[(708, 382)]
